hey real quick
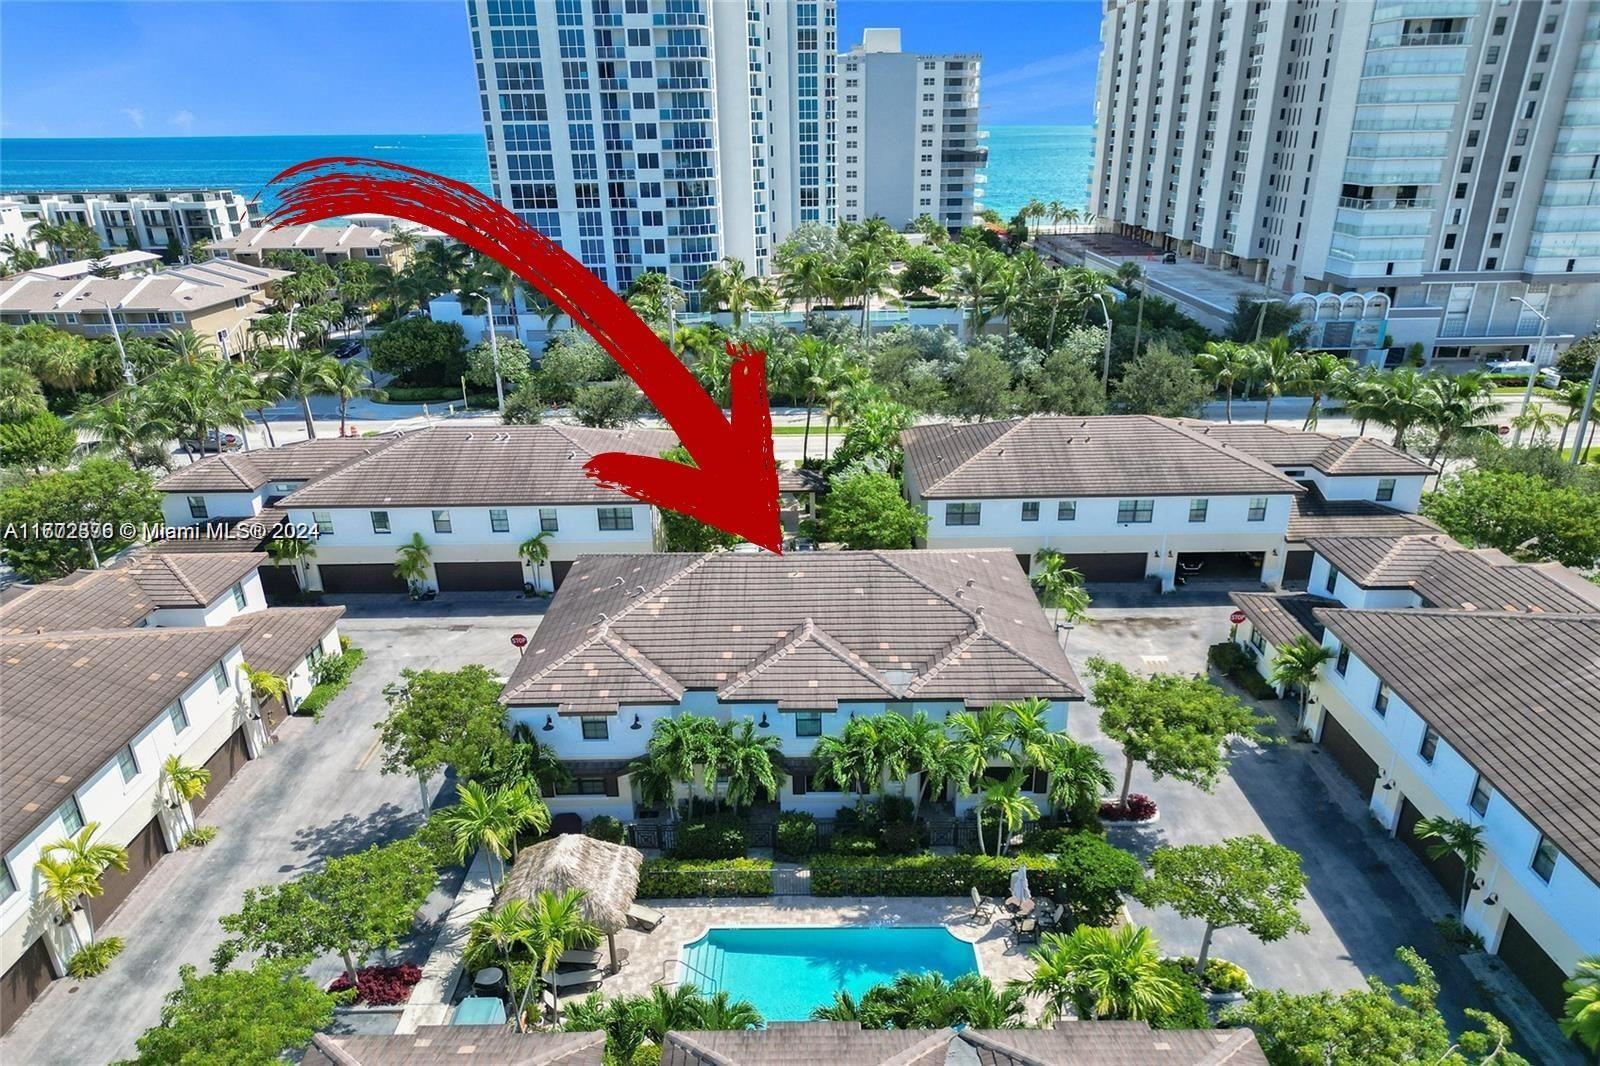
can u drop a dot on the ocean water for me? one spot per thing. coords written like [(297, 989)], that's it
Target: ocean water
[(1047, 162)]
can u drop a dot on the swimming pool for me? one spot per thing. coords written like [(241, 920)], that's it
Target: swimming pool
[(786, 971)]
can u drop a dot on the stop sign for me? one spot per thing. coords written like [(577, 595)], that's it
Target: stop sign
[(1237, 617), (519, 640), (1505, 431)]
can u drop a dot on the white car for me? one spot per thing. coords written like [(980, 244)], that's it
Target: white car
[(1509, 366)]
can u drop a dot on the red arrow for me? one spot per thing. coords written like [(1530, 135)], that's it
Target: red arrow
[(734, 484)]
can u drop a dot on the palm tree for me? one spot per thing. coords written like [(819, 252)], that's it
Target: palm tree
[(978, 739), (1078, 778), (535, 551), (925, 749), (1457, 405), (750, 762), (1130, 274), (842, 1008), (123, 424), (1452, 836), (83, 861), (19, 257), (1004, 799), (1319, 374), (1275, 365), (676, 1010), (1582, 1015), (853, 758), (684, 747), (1222, 362), (977, 1004), (1060, 587), (555, 926), (727, 285), (1573, 395), (184, 781), (975, 276), (351, 381), (808, 279), (1101, 973), (296, 551), (722, 1013), (506, 928), (1296, 665), (1395, 400), (492, 820), (304, 374), (266, 685), (188, 346), (865, 275), (817, 365), (1032, 741), (1540, 423), (411, 564), (63, 884)]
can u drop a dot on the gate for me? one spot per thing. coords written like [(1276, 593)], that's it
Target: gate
[(791, 881)]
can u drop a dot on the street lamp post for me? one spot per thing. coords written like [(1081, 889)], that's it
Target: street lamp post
[(494, 352), (122, 353), (1583, 416), (1533, 365), (1105, 370)]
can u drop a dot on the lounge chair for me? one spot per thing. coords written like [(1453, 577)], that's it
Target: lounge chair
[(981, 908), (643, 917), (578, 977), (1026, 930), (586, 957)]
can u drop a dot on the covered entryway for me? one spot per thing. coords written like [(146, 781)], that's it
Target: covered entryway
[(1352, 759), (1237, 568), (558, 572), (280, 582), (233, 754), (1297, 569), (360, 577), (1533, 966), (1107, 566), (479, 577), (144, 851), (1448, 869), (22, 983)]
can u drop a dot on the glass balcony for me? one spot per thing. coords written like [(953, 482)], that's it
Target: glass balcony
[(1416, 40), (1397, 204)]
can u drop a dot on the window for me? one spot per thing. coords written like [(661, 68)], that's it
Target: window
[(1030, 510), (596, 729), (1135, 510), (499, 521), (808, 725), (1480, 795), (324, 521), (8, 887), (1067, 511), (178, 718), (380, 521), (547, 520), (71, 817), (219, 676), (615, 517), (441, 521), (1342, 662), (127, 763), (238, 595), (1258, 509), (583, 786), (1385, 489), (1333, 576), (1544, 858), (1430, 746), (197, 507), (1380, 702), (962, 514), (1197, 510)]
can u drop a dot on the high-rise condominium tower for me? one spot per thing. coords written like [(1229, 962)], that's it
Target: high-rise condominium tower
[(909, 143), (659, 134), (1445, 153)]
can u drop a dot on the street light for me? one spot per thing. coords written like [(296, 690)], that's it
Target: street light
[(1588, 405), (1105, 371), (111, 316), (494, 351), (1533, 365)]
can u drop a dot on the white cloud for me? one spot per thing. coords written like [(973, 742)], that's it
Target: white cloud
[(1044, 86), (1078, 63), (184, 120), (135, 115)]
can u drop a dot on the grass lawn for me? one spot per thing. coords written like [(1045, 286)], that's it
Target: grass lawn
[(799, 431)]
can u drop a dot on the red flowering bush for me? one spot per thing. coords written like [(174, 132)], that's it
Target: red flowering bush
[(381, 986), (1140, 808)]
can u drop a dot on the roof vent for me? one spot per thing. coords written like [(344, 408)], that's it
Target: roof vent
[(619, 582), (604, 618), (467, 437), (639, 590), (573, 454), (971, 583)]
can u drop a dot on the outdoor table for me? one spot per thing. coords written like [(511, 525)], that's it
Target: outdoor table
[(1021, 908)]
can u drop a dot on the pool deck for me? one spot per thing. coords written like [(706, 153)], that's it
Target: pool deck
[(653, 957)]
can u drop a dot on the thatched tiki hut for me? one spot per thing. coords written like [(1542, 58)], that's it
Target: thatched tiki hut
[(607, 874)]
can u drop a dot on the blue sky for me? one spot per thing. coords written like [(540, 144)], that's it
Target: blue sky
[(216, 68)]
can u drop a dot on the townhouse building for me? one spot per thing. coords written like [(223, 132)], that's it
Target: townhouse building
[(329, 245), (797, 645), (138, 218), (1135, 497), (1461, 685), (108, 674)]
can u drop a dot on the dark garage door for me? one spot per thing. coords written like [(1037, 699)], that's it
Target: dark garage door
[(360, 577), (558, 572), (1297, 568), (233, 754), (22, 983), (144, 851), (478, 577), (1524, 957), (1108, 566), (1337, 741), (1447, 869), (280, 582)]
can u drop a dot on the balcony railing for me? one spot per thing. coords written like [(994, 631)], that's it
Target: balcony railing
[(1415, 40), (1395, 204)]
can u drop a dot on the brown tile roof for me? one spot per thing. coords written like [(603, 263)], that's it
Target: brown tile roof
[(1515, 694), (804, 630), (1445, 574), (1310, 515), (1282, 616), (87, 599), (801, 481), (219, 535), (1109, 455), (807, 1044), (72, 699), (304, 460), (278, 638), (1326, 452), (1108, 1043), (471, 465), (473, 1045), (190, 580)]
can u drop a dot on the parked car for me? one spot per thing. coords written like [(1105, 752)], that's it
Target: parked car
[(348, 350), (227, 442), (1509, 366), (1549, 375)]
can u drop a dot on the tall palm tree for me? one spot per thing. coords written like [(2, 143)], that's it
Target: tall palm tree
[(1275, 366), (296, 551), (82, 862), (492, 820), (411, 562), (1028, 733), (304, 374), (750, 762), (1078, 778), (351, 381), (1452, 836), (1224, 363), (1060, 587), (684, 747), (236, 395), (808, 279), (506, 928), (1458, 405), (1581, 1019), (1320, 375), (1101, 973), (555, 926), (123, 424), (975, 277), (816, 366), (269, 384), (1129, 275), (1395, 400), (726, 285), (865, 274), (927, 753), (1573, 395), (979, 740), (536, 552), (188, 346), (1295, 666), (19, 256), (1005, 800), (853, 758)]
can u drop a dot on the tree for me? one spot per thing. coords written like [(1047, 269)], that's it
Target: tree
[(1582, 1017), (865, 275), (1101, 973), (420, 351), (296, 551), (1177, 726), (1457, 405), (354, 906), (1078, 778), (1295, 666), (516, 365), (1254, 318), (248, 1017), (265, 685), (21, 396), (924, 271), (411, 562), (492, 820), (303, 374), (71, 868), (608, 404), (1374, 1026), (873, 436), (685, 533), (866, 511), (524, 407), (1060, 586), (106, 499), (1068, 381), (1274, 366), (555, 926), (979, 740), (351, 382), (1225, 364), (815, 368), (185, 781), (853, 759), (1576, 362), (1247, 881), (535, 551), (1321, 374), (1160, 382), (36, 443), (442, 720), (1522, 514), (980, 388), (1452, 836), (1009, 807), (683, 748), (726, 285), (123, 426), (751, 763)]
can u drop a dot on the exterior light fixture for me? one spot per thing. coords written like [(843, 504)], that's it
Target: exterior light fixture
[(1492, 899), (549, 722), (1388, 786), (763, 722), (636, 723)]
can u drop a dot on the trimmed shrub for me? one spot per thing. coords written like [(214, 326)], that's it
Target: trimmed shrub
[(1089, 876), (1221, 975), (895, 810), (718, 837), (604, 827), (853, 844), (1045, 841), (701, 879), (1239, 666), (380, 986), (331, 676), (92, 960), (1190, 1011), (900, 838), (797, 834), (1139, 808)]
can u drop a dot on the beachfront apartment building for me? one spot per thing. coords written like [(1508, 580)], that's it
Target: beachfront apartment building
[(796, 645), (1140, 498), (1439, 154), (659, 134), (149, 219), (215, 300), (909, 143), (329, 245)]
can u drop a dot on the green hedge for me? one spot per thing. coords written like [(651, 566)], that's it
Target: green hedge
[(721, 836), (1239, 666), (704, 878), (337, 674)]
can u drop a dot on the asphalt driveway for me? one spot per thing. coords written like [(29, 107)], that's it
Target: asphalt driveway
[(314, 793)]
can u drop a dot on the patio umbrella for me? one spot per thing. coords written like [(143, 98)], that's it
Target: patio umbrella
[(1019, 884)]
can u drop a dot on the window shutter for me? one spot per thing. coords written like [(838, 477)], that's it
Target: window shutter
[(612, 783), (800, 784)]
